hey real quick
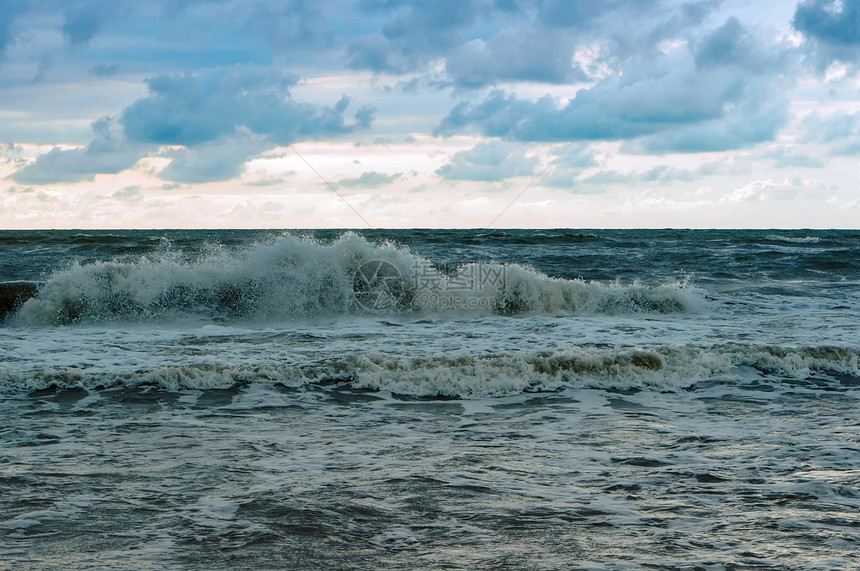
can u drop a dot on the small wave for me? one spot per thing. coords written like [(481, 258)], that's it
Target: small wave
[(794, 239), (296, 278), (485, 375)]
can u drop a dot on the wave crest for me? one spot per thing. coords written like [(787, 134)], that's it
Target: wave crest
[(487, 375), (296, 278)]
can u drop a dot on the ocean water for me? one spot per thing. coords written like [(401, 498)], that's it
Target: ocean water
[(430, 399)]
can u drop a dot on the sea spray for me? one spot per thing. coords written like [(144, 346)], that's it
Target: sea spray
[(293, 277)]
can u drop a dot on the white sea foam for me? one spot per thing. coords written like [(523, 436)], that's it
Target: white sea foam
[(466, 375), (794, 239)]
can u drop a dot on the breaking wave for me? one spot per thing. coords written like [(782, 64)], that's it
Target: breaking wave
[(486, 375), (298, 278)]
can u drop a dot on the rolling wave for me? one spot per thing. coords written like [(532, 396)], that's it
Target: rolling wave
[(464, 375), (794, 239)]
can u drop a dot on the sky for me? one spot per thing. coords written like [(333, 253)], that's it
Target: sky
[(446, 113)]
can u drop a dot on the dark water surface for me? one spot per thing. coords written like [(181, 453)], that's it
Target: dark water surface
[(438, 399)]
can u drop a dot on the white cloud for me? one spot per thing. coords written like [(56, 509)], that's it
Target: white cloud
[(764, 190)]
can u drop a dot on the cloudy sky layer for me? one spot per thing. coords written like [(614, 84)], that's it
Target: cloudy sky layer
[(445, 113)]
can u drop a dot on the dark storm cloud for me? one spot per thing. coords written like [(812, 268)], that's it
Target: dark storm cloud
[(192, 108), (730, 45), (584, 13), (221, 116), (831, 29), (412, 33), (195, 109), (484, 43), (480, 42), (210, 31), (718, 95), (8, 14), (82, 22), (539, 42), (206, 112), (831, 21), (660, 76), (748, 127), (283, 24), (291, 24), (611, 110), (516, 54)]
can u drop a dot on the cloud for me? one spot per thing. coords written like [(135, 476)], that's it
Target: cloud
[(276, 181), (666, 173), (567, 167), (373, 52), (83, 21), (753, 120), (11, 155), (290, 24), (840, 131), (608, 177), (192, 108), (831, 29), (286, 26), (682, 101), (219, 159), (17, 189), (221, 116), (128, 194), (762, 190), (660, 173), (8, 15), (216, 115), (526, 53), (613, 109), (369, 179), (831, 21), (731, 45), (489, 161), (563, 13), (107, 153), (786, 157), (560, 42), (485, 42), (105, 70), (414, 33), (195, 108)]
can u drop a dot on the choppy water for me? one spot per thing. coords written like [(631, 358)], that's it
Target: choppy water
[(430, 399)]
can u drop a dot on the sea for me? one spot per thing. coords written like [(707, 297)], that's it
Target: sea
[(430, 399)]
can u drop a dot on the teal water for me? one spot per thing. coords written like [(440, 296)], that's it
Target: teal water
[(586, 399)]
